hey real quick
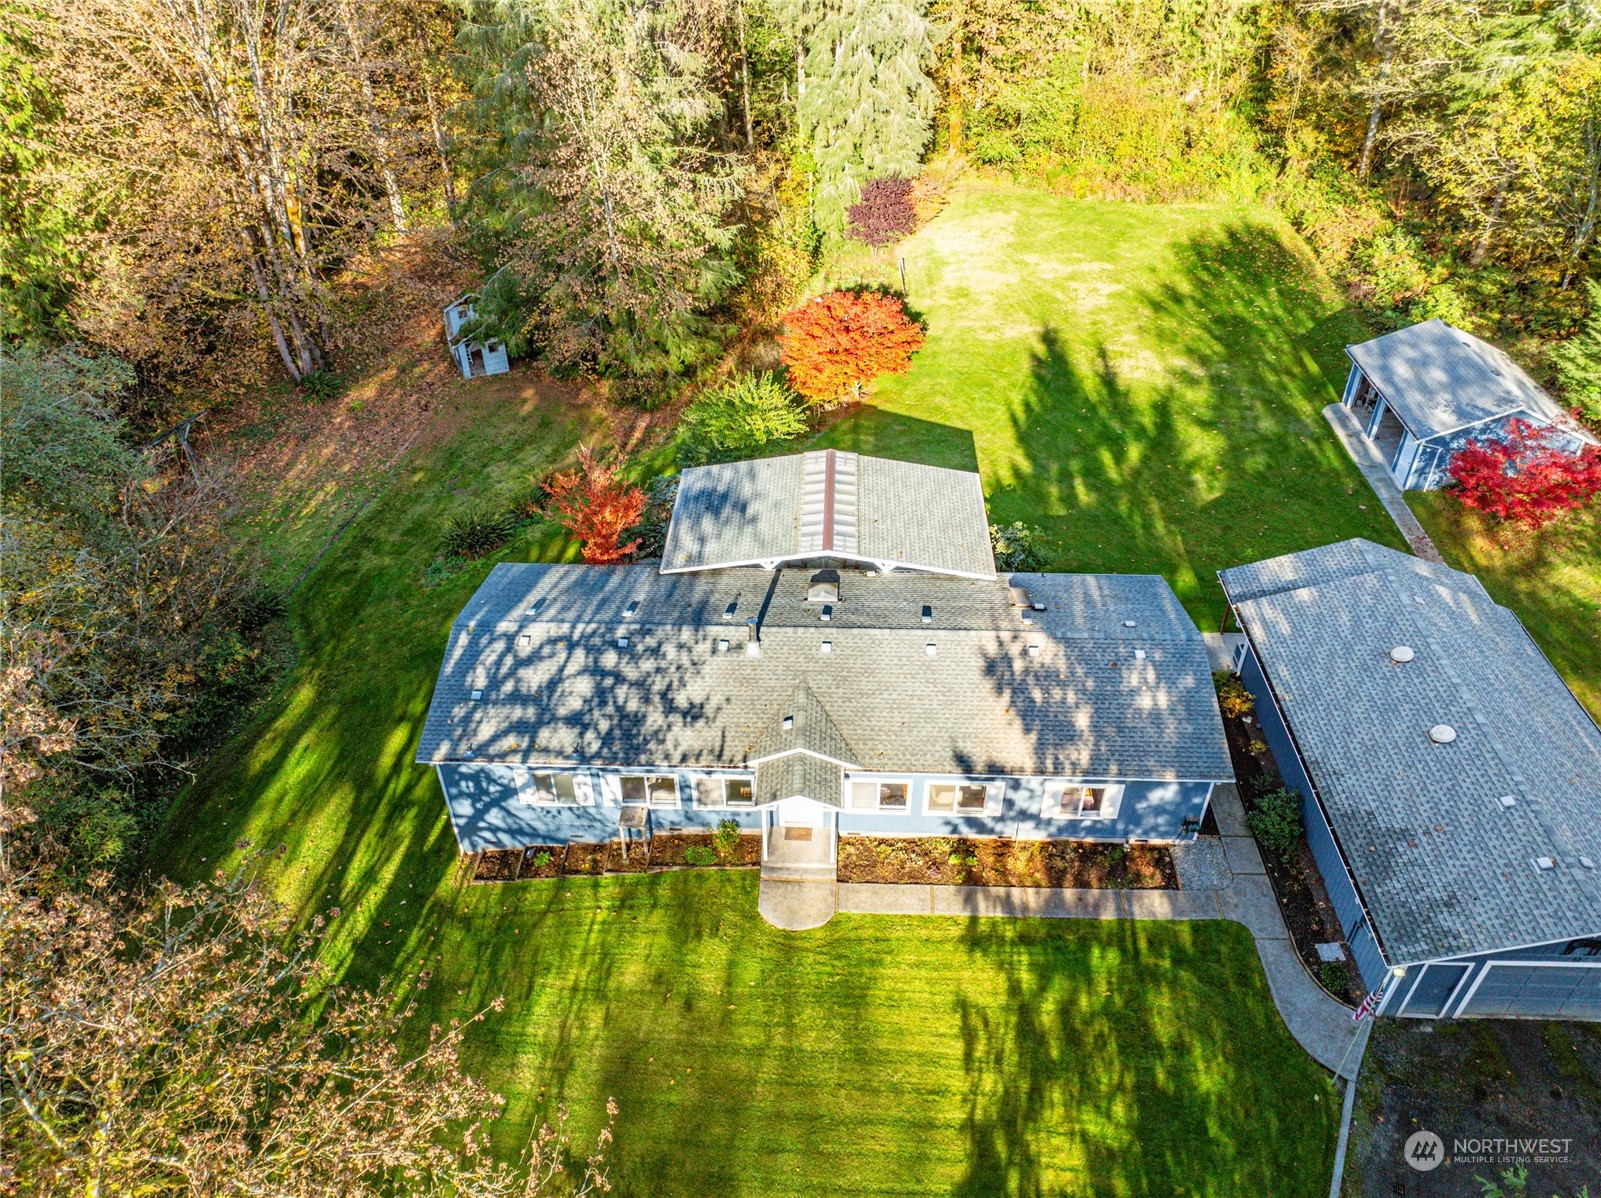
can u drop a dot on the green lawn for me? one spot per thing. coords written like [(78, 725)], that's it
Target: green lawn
[(1146, 382), (1149, 387), (1551, 578)]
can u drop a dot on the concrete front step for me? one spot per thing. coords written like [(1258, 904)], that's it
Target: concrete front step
[(786, 872)]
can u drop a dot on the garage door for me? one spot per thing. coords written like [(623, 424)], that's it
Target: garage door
[(1520, 988)]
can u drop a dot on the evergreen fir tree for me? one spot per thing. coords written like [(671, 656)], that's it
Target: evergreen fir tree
[(864, 100)]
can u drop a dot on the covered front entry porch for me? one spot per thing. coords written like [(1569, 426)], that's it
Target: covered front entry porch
[(799, 834)]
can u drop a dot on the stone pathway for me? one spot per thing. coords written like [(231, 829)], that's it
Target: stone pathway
[(1373, 469), (1319, 1023)]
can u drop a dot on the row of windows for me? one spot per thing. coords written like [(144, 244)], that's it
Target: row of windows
[(1062, 800)]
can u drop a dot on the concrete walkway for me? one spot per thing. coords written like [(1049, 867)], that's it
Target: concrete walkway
[(1373, 469), (1319, 1023)]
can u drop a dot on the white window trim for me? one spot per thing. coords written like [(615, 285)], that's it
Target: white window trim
[(647, 774), (1111, 800), (721, 781), (852, 783), (994, 796), (526, 779)]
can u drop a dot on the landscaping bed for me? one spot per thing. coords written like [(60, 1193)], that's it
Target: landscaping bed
[(957, 861), (676, 850), (1303, 899)]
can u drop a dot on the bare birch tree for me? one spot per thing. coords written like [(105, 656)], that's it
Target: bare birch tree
[(242, 136)]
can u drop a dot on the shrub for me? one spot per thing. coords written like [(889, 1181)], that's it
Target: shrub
[(597, 507), (726, 839), (320, 386), (1524, 478), (651, 531), (1276, 822), (477, 531), (884, 214), (739, 418), (700, 854), (1018, 547), (1232, 697), (836, 344), (1578, 361), (260, 606), (1334, 976)]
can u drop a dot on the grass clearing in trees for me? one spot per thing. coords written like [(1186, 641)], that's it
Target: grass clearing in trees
[(1143, 382)]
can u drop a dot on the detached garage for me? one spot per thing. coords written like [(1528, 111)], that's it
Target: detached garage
[(1450, 781)]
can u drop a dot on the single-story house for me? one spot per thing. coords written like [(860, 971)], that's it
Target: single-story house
[(808, 656), (1422, 393), (1450, 781)]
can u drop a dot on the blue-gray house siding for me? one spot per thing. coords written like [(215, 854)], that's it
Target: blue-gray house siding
[(488, 812)]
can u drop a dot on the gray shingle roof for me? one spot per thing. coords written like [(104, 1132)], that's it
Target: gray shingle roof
[(1438, 378), (799, 775), (1097, 698), (830, 503), (803, 723), (1443, 866)]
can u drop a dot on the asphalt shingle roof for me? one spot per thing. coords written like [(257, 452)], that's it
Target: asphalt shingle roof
[(1438, 378), (830, 503), (1444, 866), (1110, 680)]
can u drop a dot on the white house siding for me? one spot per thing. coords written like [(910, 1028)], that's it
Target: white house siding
[(489, 811)]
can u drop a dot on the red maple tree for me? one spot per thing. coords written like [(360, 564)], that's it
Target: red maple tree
[(838, 342), (1524, 477), (597, 507)]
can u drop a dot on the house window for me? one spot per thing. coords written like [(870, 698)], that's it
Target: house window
[(739, 792), (546, 787), (879, 796), (969, 798), (1082, 801), (654, 790)]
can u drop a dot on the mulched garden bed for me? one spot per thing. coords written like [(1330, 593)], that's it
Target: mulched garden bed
[(667, 851), (1296, 881), (955, 861)]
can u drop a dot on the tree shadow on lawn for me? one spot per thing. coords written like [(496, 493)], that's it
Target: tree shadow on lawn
[(1226, 458), (1133, 1058), (885, 434)]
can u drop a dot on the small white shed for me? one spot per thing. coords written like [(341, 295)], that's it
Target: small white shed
[(476, 358)]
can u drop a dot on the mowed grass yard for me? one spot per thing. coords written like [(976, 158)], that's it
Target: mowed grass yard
[(1146, 383), (877, 1055)]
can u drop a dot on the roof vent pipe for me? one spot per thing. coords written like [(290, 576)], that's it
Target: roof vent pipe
[(1402, 654), (753, 640), (1442, 734)]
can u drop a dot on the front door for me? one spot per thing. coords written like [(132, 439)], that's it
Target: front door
[(800, 813)]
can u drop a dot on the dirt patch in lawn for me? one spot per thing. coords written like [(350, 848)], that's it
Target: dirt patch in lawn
[(1477, 1080), (955, 861), (677, 850)]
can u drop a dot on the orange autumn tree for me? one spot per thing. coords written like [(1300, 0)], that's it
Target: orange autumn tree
[(597, 507), (838, 342)]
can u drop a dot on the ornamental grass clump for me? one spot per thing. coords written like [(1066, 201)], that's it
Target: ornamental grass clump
[(477, 532)]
